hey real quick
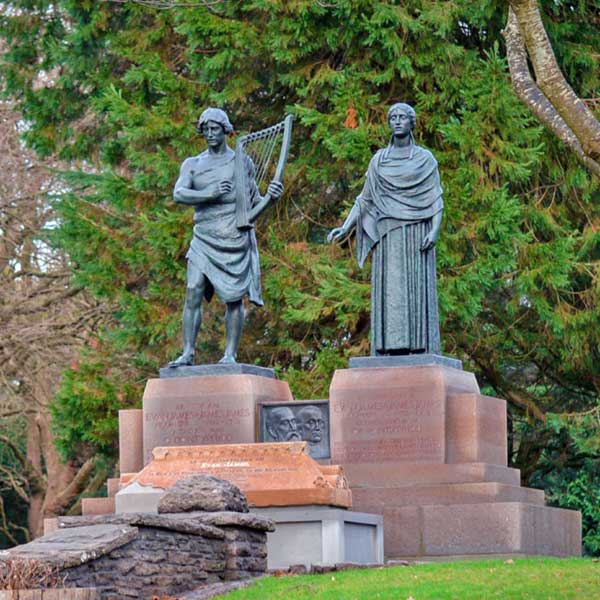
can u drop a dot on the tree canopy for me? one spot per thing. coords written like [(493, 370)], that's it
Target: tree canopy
[(519, 252)]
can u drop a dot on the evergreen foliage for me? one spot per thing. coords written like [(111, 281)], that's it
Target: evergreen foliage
[(519, 252)]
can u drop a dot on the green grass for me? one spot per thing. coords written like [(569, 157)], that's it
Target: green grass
[(539, 579)]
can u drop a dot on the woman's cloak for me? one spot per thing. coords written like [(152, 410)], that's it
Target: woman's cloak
[(396, 207)]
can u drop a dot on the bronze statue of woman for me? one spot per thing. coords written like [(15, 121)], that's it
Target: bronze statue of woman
[(397, 217)]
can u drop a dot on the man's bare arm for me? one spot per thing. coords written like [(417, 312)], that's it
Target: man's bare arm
[(183, 192)]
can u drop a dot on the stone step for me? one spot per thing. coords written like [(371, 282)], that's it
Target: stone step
[(97, 506), (376, 499), (385, 474), (112, 486), (481, 530)]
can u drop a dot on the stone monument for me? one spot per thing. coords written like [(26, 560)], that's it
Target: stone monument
[(418, 442), (409, 435)]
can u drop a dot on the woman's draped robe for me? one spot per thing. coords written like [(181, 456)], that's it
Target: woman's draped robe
[(226, 255), (396, 207)]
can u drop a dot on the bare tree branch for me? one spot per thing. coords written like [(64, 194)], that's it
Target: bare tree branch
[(77, 485), (531, 95), (526, 29)]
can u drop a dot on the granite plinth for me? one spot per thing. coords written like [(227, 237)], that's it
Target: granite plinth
[(393, 414), (131, 432), (216, 369), (316, 535), (404, 360), (220, 409), (423, 448)]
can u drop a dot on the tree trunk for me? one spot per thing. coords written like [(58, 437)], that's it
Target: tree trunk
[(549, 80)]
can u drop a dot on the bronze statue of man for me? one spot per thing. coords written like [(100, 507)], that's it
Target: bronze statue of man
[(222, 258), (397, 217)]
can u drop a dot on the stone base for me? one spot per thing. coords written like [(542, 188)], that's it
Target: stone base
[(422, 447), (216, 369), (489, 528), (315, 535), (401, 415), (403, 360), (200, 410), (97, 506)]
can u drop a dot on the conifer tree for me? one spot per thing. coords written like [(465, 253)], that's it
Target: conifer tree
[(518, 254)]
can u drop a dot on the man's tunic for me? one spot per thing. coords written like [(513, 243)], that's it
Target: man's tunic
[(227, 256)]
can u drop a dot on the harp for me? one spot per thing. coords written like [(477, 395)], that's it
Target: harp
[(253, 154)]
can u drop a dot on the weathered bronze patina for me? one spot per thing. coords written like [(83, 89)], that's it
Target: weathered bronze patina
[(397, 217), (222, 258)]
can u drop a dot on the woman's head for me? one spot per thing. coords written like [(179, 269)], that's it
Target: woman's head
[(406, 109)]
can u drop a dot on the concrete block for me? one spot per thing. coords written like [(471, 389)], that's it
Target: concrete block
[(138, 498), (322, 536)]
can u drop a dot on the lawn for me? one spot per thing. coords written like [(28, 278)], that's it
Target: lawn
[(543, 578)]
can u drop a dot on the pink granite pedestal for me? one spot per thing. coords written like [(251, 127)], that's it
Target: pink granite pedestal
[(422, 447), (195, 411)]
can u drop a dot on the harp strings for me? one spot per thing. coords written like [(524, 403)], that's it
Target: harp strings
[(261, 150), (269, 146)]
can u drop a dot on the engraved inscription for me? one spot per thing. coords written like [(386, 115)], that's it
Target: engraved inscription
[(406, 429), (190, 423)]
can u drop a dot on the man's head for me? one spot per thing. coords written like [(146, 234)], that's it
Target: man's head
[(217, 116), (311, 424), (281, 425), (214, 125), (402, 119)]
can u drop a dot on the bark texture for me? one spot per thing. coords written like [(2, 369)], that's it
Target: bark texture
[(549, 96), (44, 321)]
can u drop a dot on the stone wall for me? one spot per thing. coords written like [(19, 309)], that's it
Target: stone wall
[(158, 562), (143, 555)]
